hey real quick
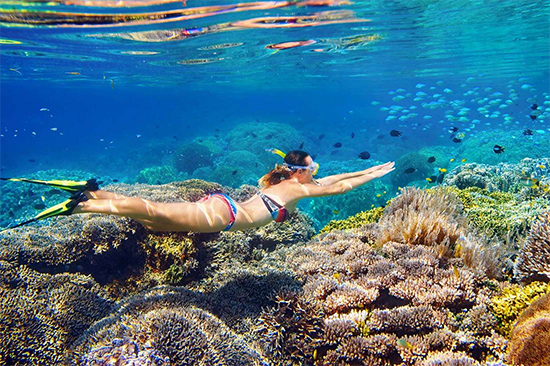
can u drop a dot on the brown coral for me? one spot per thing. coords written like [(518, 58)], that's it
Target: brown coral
[(428, 217), (533, 262), (530, 340)]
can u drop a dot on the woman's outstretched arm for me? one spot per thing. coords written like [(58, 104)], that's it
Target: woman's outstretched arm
[(331, 179), (346, 185)]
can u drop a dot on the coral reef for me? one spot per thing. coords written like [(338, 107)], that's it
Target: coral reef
[(533, 261), (499, 213), (512, 300), (41, 314), (159, 175), (191, 156), (416, 161), (162, 327), (430, 217), (394, 304), (355, 221), (530, 339)]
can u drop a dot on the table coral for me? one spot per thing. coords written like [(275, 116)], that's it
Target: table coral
[(162, 327), (41, 314)]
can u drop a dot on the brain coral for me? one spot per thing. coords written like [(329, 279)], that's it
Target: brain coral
[(530, 340), (41, 314), (162, 327), (533, 261)]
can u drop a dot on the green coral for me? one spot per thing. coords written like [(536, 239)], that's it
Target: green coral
[(509, 305), (498, 214), (355, 221)]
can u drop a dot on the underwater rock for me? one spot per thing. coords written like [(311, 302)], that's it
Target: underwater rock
[(533, 261), (159, 175), (530, 339), (42, 314), (162, 327), (411, 167)]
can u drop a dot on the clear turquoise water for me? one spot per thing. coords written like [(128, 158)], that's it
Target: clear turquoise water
[(78, 94)]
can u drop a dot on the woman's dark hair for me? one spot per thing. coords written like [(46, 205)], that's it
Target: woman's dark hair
[(281, 172)]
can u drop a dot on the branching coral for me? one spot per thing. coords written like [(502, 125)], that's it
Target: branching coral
[(512, 301), (530, 339), (41, 314), (355, 221), (533, 262)]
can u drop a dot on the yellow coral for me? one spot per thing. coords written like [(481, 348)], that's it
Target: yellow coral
[(512, 301), (355, 221)]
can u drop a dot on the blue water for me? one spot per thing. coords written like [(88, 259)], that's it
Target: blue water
[(89, 98)]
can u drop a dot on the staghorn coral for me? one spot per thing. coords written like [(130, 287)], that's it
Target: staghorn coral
[(530, 338), (430, 217), (41, 314), (355, 221), (513, 299), (449, 358), (162, 327), (407, 320), (533, 261)]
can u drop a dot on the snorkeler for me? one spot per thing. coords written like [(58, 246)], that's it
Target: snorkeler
[(280, 190)]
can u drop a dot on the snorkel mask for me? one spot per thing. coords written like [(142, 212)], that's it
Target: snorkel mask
[(313, 167)]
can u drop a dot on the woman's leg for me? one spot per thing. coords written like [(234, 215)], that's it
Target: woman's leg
[(211, 215), (103, 195)]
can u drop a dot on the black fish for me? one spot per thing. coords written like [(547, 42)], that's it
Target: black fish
[(175, 138), (533, 116), (32, 161), (431, 159), (453, 129), (380, 137), (498, 149), (410, 170), (364, 155), (301, 146), (457, 140), (527, 132), (11, 214), (352, 135), (321, 136), (115, 180), (40, 206), (395, 133), (200, 140), (234, 172), (217, 129), (440, 178), (534, 106), (254, 135), (337, 145)]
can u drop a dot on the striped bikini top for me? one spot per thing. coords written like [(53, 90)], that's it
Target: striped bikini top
[(278, 212)]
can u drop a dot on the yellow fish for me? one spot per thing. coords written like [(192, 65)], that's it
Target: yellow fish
[(463, 160), (451, 160), (336, 276), (378, 195), (336, 212), (72, 73), (429, 180), (443, 170), (403, 343), (540, 166)]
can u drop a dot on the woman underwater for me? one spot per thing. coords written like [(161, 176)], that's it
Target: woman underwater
[(280, 191)]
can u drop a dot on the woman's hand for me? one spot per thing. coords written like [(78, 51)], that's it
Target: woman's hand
[(381, 170)]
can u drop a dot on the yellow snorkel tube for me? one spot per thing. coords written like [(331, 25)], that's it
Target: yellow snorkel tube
[(314, 167)]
